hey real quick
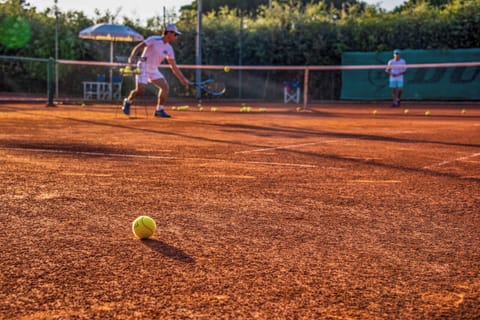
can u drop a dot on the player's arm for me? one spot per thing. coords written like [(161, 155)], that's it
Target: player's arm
[(404, 69), (177, 72), (388, 69), (135, 52)]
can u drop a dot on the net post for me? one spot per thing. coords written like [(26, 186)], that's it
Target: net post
[(50, 83), (305, 87)]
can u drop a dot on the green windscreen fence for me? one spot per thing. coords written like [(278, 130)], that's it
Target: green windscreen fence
[(432, 83)]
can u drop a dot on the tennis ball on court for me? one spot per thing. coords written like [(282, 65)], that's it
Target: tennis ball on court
[(200, 109), (406, 111), (213, 109), (375, 112), (83, 105), (143, 227), (463, 111), (427, 113), (226, 69)]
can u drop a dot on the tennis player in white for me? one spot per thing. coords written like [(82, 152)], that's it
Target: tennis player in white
[(396, 69), (154, 50)]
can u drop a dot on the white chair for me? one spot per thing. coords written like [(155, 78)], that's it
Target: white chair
[(117, 87), (291, 92), (99, 89)]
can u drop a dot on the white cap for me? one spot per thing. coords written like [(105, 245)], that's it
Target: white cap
[(172, 28)]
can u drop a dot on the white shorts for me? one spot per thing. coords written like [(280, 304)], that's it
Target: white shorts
[(148, 74), (396, 84)]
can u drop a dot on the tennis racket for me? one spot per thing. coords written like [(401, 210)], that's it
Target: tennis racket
[(211, 87)]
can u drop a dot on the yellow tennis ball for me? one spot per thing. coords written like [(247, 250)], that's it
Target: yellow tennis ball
[(375, 112), (144, 227), (226, 69), (427, 113)]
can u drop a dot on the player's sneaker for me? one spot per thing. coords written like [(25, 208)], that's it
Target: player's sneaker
[(162, 113), (126, 107)]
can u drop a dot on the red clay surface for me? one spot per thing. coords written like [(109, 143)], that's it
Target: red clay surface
[(329, 213)]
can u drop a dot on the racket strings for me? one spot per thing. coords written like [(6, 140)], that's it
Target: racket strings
[(215, 87)]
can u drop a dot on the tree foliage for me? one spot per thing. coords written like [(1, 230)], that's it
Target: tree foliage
[(283, 32)]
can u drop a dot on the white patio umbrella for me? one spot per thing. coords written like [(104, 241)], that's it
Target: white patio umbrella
[(110, 32)]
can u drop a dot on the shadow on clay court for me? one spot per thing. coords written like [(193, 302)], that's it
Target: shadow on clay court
[(302, 133), (168, 250), (287, 131)]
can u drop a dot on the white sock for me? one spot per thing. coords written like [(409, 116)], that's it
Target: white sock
[(159, 107)]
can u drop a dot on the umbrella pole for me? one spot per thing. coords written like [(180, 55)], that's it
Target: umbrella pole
[(111, 70)]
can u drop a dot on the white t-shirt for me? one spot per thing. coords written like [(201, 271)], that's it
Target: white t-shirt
[(155, 52), (396, 67)]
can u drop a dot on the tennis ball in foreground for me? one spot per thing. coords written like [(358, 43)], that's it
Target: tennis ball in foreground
[(144, 227), (375, 112), (427, 113), (226, 69), (406, 111)]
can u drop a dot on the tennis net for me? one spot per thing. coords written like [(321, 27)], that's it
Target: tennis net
[(423, 81)]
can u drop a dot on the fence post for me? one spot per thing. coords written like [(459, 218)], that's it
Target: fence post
[(305, 87), (50, 82)]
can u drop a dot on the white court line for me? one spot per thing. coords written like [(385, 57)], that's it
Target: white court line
[(292, 146), (450, 161), (138, 156)]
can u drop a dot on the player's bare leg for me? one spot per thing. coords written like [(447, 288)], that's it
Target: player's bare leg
[(163, 89), (138, 91), (394, 97), (399, 96)]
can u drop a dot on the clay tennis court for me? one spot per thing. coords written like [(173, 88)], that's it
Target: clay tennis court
[(329, 213)]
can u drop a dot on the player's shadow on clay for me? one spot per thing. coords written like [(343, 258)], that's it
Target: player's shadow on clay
[(168, 250)]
